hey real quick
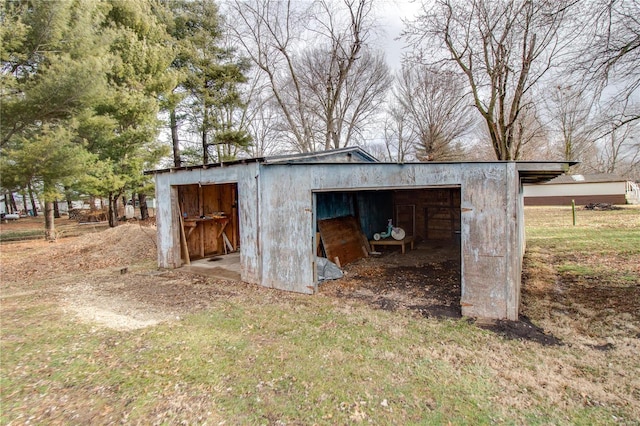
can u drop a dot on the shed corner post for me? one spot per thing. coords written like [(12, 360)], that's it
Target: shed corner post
[(465, 210), (168, 226), (514, 241), (314, 242)]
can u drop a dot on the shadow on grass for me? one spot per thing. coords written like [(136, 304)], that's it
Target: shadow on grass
[(523, 329)]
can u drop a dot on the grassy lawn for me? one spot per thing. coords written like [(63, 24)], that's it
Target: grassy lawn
[(257, 356)]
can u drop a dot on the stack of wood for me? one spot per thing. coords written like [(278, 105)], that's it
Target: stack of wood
[(82, 215)]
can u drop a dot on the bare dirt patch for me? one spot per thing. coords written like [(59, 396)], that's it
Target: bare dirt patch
[(115, 247), (85, 274), (138, 300), (110, 279), (118, 286), (425, 281)]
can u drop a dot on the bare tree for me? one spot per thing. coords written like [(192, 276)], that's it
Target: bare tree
[(619, 151), (530, 135), (570, 108), (345, 40), (438, 110), (503, 47), (341, 116), (262, 118), (611, 58), (399, 137), (268, 32), (378, 150), (323, 99)]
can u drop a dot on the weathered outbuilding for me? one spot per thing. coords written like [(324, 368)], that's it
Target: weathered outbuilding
[(269, 208)]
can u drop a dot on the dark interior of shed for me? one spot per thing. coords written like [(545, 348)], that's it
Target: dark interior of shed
[(427, 214), (208, 217), (426, 278)]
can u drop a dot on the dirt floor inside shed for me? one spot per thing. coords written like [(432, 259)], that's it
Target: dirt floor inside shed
[(425, 280)]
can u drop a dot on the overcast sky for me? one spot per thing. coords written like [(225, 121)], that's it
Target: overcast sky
[(392, 12)]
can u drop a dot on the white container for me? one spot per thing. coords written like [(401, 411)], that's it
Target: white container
[(128, 212)]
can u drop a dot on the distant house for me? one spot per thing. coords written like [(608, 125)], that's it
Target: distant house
[(583, 189)]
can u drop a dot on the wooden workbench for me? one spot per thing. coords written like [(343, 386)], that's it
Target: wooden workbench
[(197, 225), (393, 242)]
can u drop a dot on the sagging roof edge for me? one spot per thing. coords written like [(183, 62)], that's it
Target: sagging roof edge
[(205, 166), (524, 167)]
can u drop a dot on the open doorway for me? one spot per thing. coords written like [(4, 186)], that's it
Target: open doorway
[(210, 228), (426, 277)]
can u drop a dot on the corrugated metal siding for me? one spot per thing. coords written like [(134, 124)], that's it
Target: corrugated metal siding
[(375, 209), (335, 204)]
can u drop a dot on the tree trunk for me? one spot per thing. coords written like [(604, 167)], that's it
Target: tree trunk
[(10, 202), (34, 208), (113, 209), (205, 125), (49, 224), (24, 203), (69, 200), (177, 160), (56, 210), (144, 209), (205, 145)]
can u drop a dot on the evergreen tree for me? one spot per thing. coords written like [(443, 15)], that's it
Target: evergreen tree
[(52, 69), (207, 94)]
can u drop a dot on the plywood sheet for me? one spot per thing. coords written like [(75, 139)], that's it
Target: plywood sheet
[(343, 239)]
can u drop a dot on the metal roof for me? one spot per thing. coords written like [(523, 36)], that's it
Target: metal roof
[(529, 171), (321, 157)]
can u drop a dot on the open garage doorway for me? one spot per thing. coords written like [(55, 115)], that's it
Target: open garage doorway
[(425, 278), (208, 216)]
